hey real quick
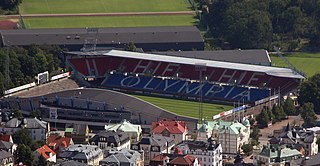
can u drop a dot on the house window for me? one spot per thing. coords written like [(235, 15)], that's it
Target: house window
[(112, 145)]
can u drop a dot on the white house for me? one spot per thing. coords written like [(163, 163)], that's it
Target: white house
[(38, 129), (133, 130), (231, 135), (177, 130)]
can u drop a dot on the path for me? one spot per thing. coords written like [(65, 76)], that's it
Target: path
[(103, 14)]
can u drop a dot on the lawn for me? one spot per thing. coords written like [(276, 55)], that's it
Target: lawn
[(112, 21), (306, 62), (186, 108), (101, 6)]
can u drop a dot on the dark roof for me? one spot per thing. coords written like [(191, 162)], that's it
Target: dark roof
[(257, 57), (105, 35), (112, 137), (4, 154), (31, 123), (70, 163), (5, 145), (309, 161)]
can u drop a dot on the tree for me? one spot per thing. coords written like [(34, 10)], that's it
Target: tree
[(308, 115), (24, 154), (42, 161), (255, 133), (288, 107), (310, 92), (263, 118), (130, 47), (247, 148), (17, 113), (22, 137), (278, 113)]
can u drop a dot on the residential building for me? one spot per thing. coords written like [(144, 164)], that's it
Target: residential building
[(78, 132), (47, 153), (295, 136), (58, 143), (8, 146), (111, 140), (307, 161), (88, 154), (275, 155), (69, 163), (6, 137), (38, 129), (175, 160), (6, 158), (125, 157), (125, 126), (208, 153), (153, 146), (177, 130), (231, 135)]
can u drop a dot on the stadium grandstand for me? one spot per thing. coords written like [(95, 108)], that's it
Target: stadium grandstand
[(99, 65), (74, 39), (99, 106)]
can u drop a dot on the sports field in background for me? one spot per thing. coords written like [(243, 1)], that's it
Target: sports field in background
[(110, 21), (186, 108), (306, 62), (101, 6)]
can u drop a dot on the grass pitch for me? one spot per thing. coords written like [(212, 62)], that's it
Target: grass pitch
[(112, 21), (186, 108), (306, 62), (101, 6)]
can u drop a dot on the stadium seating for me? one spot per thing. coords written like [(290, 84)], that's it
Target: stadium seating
[(184, 87), (100, 66)]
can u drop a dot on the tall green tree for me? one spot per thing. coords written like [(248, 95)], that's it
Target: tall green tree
[(263, 118), (42, 161), (22, 137), (308, 115), (310, 92), (278, 113), (288, 107), (255, 134), (24, 154)]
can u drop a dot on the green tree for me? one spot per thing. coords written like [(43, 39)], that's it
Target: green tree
[(288, 107), (16, 113), (24, 154), (308, 115), (42, 161), (255, 133), (278, 113), (247, 148), (130, 47), (22, 137), (263, 118), (310, 92)]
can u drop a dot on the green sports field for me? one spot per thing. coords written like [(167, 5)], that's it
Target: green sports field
[(100, 6), (306, 62), (186, 108), (112, 21)]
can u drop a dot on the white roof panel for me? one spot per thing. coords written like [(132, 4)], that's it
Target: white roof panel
[(273, 71)]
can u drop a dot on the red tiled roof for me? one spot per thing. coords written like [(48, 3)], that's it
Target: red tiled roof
[(57, 141), (185, 160), (5, 137), (172, 126), (45, 150)]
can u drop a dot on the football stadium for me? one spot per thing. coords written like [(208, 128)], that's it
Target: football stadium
[(108, 78)]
